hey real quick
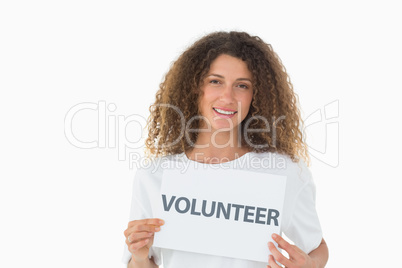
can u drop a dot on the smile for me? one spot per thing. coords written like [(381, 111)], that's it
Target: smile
[(225, 112)]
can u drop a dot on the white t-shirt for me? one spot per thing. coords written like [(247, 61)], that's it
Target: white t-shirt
[(299, 218)]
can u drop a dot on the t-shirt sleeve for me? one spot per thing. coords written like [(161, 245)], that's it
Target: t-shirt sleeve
[(304, 228), (141, 209)]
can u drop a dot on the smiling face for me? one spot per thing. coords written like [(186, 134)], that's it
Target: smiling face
[(227, 93)]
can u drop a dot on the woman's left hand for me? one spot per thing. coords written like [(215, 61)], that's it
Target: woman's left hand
[(297, 258)]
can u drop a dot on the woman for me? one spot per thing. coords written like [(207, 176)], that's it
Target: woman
[(228, 98)]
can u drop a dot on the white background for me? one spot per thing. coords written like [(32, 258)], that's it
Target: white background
[(63, 206)]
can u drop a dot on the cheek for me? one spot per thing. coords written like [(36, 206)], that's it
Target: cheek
[(203, 104), (247, 101), (207, 97), (210, 93)]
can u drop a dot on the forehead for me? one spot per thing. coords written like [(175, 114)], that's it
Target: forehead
[(229, 66)]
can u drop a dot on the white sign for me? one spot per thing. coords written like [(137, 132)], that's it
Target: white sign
[(223, 212)]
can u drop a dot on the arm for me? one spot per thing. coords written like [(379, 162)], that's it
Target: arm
[(320, 255), (297, 258), (147, 263)]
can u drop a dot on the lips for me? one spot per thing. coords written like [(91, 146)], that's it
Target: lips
[(224, 113)]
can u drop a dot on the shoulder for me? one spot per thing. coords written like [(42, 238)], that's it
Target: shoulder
[(297, 174), (280, 164), (154, 167), (148, 178)]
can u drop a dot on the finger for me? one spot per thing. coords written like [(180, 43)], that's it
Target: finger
[(150, 242), (283, 244), (138, 245), (146, 228), (135, 237), (134, 226), (272, 263), (278, 256), (140, 232), (154, 221), (158, 222), (141, 228)]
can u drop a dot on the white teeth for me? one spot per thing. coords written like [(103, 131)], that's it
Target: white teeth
[(223, 112)]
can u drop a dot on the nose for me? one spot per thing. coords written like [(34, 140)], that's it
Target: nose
[(227, 94)]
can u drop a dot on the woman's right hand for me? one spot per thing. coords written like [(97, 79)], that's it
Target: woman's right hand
[(140, 237)]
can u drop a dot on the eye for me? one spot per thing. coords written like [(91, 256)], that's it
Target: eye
[(214, 82), (243, 86)]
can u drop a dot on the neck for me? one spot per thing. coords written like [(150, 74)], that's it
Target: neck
[(217, 147)]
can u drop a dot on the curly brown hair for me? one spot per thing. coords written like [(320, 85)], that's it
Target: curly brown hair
[(274, 101)]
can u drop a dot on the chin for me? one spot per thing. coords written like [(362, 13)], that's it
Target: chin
[(224, 127)]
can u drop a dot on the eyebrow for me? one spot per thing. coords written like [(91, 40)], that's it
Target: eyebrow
[(221, 76)]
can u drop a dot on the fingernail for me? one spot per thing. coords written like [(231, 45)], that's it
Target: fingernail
[(146, 241), (274, 236), (150, 234), (157, 229), (161, 222)]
